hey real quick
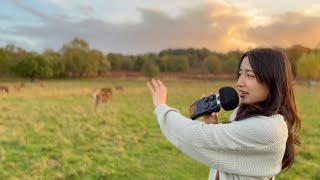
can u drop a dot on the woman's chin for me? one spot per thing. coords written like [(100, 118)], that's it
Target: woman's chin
[(245, 101)]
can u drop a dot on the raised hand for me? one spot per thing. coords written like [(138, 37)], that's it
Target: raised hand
[(158, 91)]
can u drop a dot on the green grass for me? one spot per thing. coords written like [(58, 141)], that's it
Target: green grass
[(54, 133)]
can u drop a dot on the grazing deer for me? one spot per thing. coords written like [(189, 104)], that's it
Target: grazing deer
[(38, 82), (4, 89), (119, 88), (101, 95), (17, 87)]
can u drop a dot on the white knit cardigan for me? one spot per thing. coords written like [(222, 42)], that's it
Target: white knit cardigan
[(249, 149)]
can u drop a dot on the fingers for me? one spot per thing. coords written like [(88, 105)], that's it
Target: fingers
[(156, 84), (150, 87), (215, 114), (209, 120), (158, 90), (212, 118), (203, 96), (160, 82)]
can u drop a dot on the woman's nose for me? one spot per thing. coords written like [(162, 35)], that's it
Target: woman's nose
[(240, 82)]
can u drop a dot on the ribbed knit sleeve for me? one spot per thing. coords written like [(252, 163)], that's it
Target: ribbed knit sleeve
[(254, 146)]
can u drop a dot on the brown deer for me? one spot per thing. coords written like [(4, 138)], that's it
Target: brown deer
[(17, 87), (38, 82), (4, 89), (41, 84), (101, 95), (119, 88)]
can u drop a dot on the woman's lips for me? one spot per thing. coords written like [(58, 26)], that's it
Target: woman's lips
[(243, 94)]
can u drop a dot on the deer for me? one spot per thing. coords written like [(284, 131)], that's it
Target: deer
[(38, 82), (119, 88), (17, 87), (4, 89), (101, 95)]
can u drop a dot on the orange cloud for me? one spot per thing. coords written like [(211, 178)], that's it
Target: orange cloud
[(287, 29)]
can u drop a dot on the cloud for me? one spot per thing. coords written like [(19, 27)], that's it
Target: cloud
[(3, 17), (79, 8), (287, 29), (208, 26), (217, 26), (34, 12)]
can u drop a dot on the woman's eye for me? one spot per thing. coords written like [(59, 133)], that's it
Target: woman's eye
[(251, 76)]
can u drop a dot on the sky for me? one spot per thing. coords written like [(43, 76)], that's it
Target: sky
[(143, 26)]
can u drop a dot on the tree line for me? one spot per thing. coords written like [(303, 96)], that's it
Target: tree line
[(77, 59)]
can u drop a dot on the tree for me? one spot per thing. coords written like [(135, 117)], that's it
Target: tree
[(230, 61), (195, 56), (177, 63), (150, 70), (99, 61), (76, 43), (116, 61), (294, 53), (4, 62), (162, 64), (56, 61), (76, 54), (128, 63), (14, 54), (59, 67), (308, 66), (34, 66), (73, 59), (212, 64), (139, 61)]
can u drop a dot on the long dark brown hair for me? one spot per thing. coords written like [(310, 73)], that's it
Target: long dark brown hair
[(272, 68)]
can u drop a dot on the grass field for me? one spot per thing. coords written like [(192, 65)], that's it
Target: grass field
[(54, 133)]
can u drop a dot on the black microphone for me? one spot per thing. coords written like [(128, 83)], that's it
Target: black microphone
[(227, 98)]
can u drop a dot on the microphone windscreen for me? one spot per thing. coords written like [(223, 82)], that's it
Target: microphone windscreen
[(229, 98)]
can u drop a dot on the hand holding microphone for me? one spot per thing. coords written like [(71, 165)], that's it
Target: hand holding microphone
[(212, 118), (227, 98)]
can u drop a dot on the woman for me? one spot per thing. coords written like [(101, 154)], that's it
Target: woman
[(259, 141)]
